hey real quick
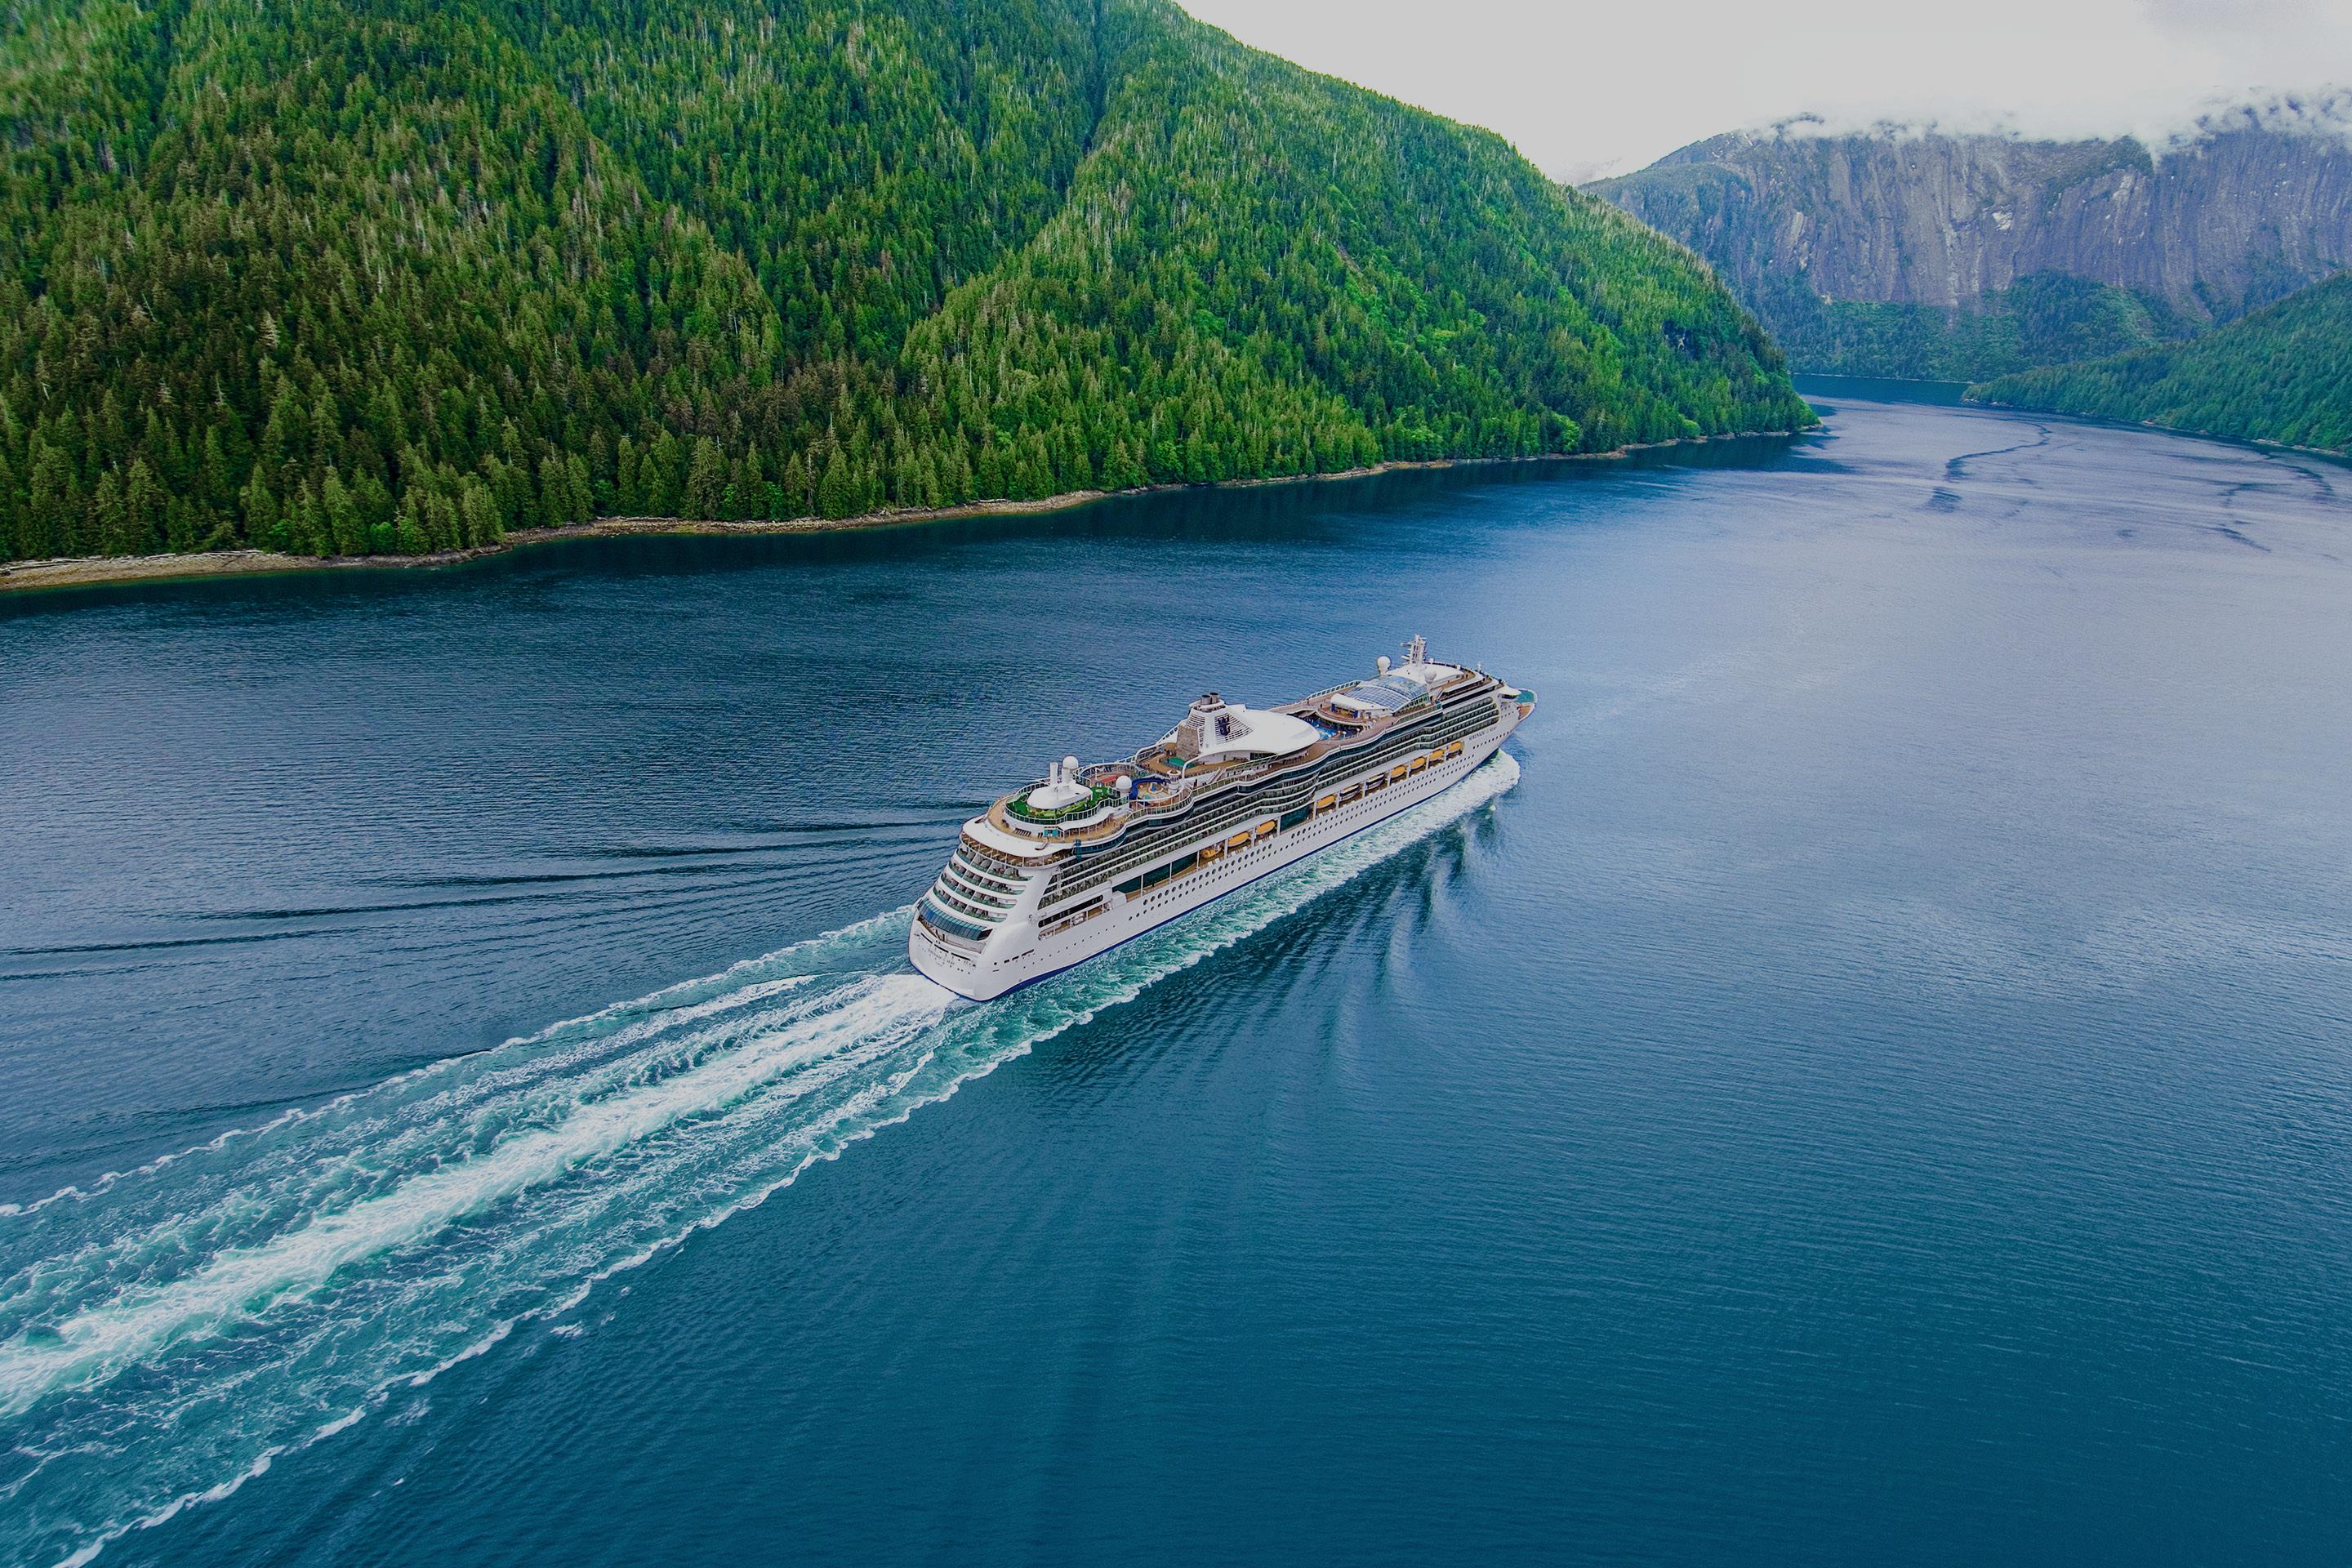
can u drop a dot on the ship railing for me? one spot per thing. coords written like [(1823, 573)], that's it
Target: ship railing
[(1168, 795)]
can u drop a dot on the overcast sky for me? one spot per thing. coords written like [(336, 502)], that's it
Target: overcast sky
[(1586, 89)]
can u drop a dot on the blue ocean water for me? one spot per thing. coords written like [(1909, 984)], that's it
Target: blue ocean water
[(1866, 1080)]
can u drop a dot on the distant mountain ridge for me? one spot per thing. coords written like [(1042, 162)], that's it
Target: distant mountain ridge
[(1906, 252)]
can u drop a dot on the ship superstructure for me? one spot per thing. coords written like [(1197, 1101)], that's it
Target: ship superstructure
[(1093, 856)]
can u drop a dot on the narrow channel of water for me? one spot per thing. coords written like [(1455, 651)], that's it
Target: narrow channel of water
[(1865, 1080)]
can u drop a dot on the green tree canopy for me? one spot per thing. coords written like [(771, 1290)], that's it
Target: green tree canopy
[(401, 274)]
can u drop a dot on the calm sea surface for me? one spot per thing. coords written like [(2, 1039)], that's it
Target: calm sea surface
[(1871, 1082)]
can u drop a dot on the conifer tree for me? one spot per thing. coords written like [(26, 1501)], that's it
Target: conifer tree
[(385, 275), (835, 496), (706, 482)]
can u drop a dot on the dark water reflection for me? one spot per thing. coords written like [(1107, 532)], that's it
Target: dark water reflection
[(1873, 1090)]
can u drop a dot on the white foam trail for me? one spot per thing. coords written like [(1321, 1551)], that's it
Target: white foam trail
[(246, 1281), (720, 986), (166, 1334)]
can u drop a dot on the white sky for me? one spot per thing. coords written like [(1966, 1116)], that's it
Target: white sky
[(1591, 86)]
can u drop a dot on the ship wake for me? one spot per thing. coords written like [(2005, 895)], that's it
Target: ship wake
[(167, 1333)]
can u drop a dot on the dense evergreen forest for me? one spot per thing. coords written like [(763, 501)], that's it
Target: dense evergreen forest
[(2282, 373), (2043, 318), (341, 277)]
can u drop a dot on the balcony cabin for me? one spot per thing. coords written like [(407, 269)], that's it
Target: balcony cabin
[(1220, 742)]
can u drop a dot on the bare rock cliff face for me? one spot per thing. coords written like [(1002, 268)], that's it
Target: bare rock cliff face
[(2214, 228)]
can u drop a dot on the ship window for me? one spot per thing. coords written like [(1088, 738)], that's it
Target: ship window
[(981, 858), (1293, 818), (952, 882), (950, 925), (1131, 887), (950, 902), (1156, 876), (981, 868), (1182, 864), (1386, 695)]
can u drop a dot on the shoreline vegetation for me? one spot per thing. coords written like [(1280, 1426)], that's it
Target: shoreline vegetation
[(395, 277), (103, 570), (2277, 377)]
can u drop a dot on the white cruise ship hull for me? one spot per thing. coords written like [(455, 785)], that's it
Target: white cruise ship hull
[(1028, 947)]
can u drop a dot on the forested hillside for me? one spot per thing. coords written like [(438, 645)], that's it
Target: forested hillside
[(398, 276), (1910, 251), (2283, 374), (2044, 318)]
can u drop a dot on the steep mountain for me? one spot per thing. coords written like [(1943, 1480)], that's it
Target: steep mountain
[(1901, 252), (349, 275), (2282, 373)]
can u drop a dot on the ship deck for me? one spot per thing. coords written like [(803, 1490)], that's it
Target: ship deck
[(1162, 780)]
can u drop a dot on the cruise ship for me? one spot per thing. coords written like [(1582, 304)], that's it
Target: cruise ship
[(1092, 857)]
